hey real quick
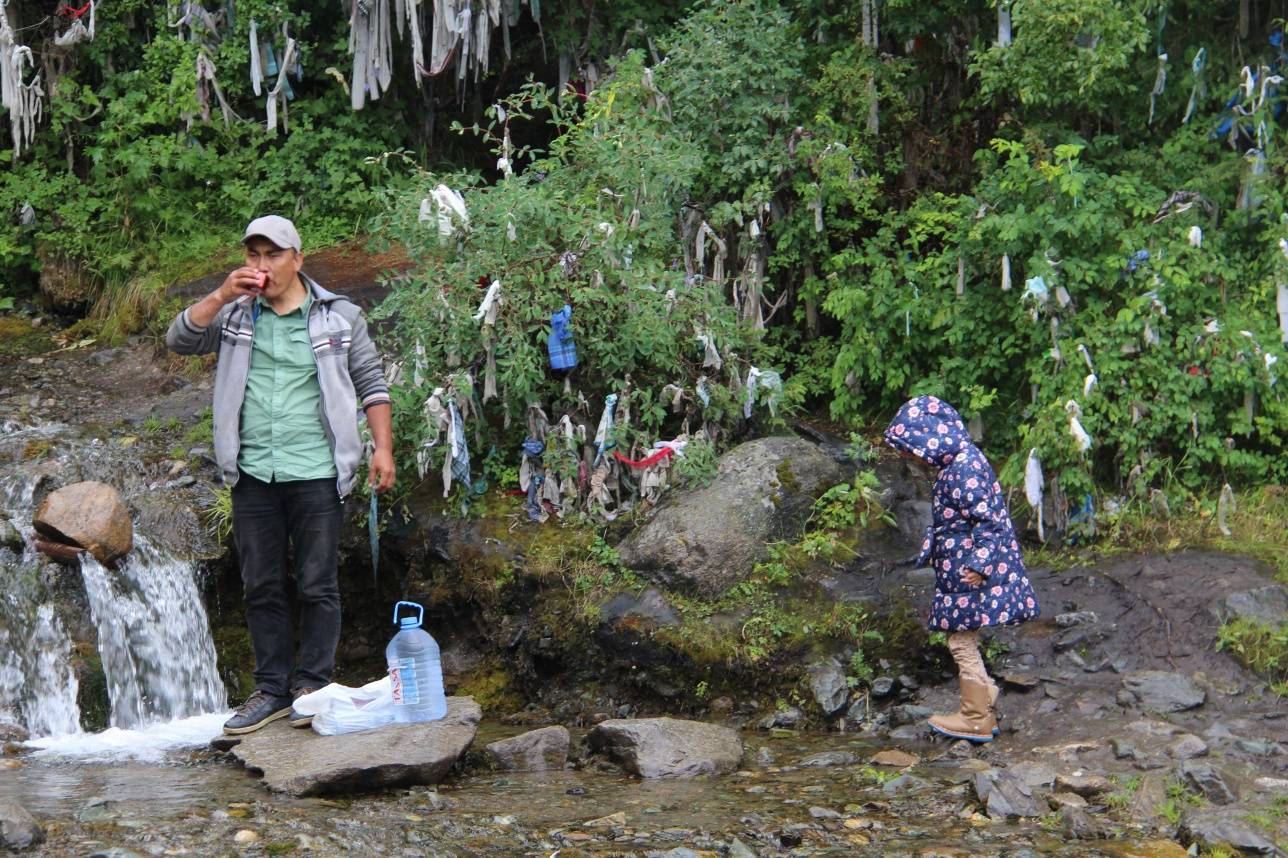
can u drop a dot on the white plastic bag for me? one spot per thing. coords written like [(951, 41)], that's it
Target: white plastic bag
[(340, 709)]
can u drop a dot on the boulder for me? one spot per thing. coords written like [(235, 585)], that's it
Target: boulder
[(827, 682), (912, 517), (1087, 786), (535, 751), (1077, 824), (1218, 830), (1187, 746), (667, 747), (18, 829), (1005, 797), (709, 539), (300, 762), (1268, 605), (91, 515), (1163, 691), (894, 757)]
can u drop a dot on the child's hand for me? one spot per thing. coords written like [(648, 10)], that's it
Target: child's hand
[(972, 578)]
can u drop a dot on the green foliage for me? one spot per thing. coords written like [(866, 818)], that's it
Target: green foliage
[(1066, 53), (593, 219), (1257, 646)]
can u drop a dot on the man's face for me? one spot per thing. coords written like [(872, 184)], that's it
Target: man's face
[(281, 264)]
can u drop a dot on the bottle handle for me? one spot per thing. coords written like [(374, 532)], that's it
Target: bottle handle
[(420, 612)]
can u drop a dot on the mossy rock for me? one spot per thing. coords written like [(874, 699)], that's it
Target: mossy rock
[(236, 659), (92, 697)]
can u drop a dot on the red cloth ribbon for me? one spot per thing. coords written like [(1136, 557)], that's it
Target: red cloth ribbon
[(646, 462), (69, 11)]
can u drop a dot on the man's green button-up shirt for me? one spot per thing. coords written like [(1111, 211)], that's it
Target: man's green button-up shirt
[(282, 437)]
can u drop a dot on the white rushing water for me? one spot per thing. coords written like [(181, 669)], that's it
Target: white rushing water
[(146, 744), (153, 635)]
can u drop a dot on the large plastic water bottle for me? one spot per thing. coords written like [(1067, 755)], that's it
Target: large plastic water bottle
[(414, 670)]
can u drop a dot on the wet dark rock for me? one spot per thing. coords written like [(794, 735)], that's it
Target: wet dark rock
[(911, 732), (710, 538), (909, 713), (9, 536), (908, 683), (790, 839), (1205, 779), (649, 605), (1076, 618), (1163, 691), (828, 685), (785, 718), (1033, 773), (1123, 749), (535, 751), (912, 517), (827, 759), (1079, 637), (1215, 830), (301, 762), (19, 830), (1257, 748), (1187, 746), (1004, 796), (11, 732), (667, 747), (882, 687), (1266, 605), (1077, 824)]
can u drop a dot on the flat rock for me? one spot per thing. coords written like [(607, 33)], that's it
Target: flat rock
[(708, 539), (1033, 773), (19, 830), (90, 515), (827, 759), (1217, 830), (667, 747), (1059, 800), (894, 757), (1020, 681), (535, 751), (1087, 786), (300, 762), (1163, 691), (1005, 796)]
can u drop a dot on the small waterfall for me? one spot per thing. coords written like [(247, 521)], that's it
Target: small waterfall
[(153, 637)]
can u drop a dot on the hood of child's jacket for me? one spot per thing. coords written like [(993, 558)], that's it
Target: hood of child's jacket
[(930, 429)]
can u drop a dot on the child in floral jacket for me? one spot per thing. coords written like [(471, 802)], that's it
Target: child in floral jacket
[(980, 578)]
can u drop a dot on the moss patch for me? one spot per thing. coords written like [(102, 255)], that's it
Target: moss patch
[(91, 694), (19, 338), (236, 660), (491, 686), (787, 478)]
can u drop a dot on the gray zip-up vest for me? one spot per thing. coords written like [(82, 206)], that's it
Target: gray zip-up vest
[(349, 374)]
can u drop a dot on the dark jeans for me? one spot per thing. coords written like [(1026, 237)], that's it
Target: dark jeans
[(308, 515)]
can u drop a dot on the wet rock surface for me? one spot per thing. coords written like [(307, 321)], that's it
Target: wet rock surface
[(300, 762), (535, 751), (667, 747), (706, 540), (19, 830)]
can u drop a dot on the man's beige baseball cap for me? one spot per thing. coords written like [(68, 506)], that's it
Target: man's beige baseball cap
[(276, 229)]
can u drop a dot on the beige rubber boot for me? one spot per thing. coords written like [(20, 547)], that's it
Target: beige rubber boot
[(974, 722)]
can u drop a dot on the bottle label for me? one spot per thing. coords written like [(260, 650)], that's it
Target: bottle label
[(402, 679)]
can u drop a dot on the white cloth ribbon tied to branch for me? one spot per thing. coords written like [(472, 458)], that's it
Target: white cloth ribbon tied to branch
[(447, 208), (24, 101), (1079, 434), (1033, 483), (487, 313), (277, 93)]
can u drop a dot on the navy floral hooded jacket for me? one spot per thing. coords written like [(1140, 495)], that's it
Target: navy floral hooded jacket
[(971, 527)]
